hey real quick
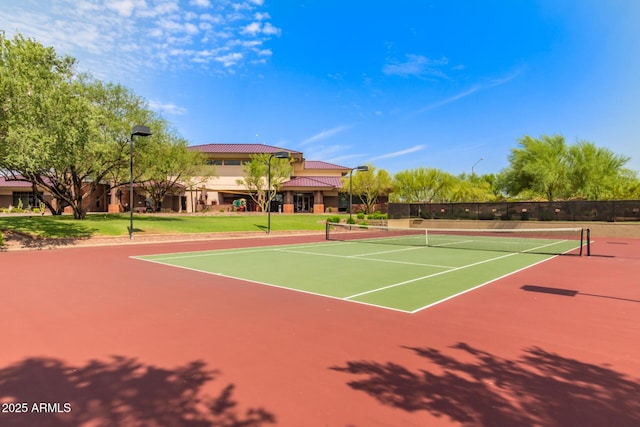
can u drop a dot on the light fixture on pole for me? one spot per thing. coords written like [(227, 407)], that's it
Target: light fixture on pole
[(137, 131), (277, 155), (357, 168), (474, 165)]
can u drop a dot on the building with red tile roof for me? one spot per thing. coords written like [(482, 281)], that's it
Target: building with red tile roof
[(314, 186)]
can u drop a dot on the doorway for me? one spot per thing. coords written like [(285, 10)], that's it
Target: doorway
[(303, 202)]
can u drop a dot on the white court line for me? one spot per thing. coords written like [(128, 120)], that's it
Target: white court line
[(440, 273), (197, 254), (361, 257), (276, 286), (348, 298), (455, 242), (480, 285)]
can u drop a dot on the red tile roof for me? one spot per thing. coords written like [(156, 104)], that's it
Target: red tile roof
[(314, 181), (6, 183), (315, 164), (239, 148)]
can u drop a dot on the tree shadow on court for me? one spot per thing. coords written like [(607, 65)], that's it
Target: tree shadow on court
[(478, 388), (14, 239), (121, 392)]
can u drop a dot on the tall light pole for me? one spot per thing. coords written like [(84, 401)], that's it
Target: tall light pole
[(277, 155), (474, 165), (357, 168), (137, 131)]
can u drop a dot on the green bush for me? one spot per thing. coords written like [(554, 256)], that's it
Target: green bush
[(334, 219), (351, 220), (378, 215), (360, 215)]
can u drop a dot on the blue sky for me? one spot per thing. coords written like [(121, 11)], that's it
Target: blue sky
[(400, 84)]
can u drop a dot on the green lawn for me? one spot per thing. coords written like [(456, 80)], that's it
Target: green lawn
[(117, 224)]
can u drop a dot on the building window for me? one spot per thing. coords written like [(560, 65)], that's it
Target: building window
[(232, 162), (29, 199), (214, 162)]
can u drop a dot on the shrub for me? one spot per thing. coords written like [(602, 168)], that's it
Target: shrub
[(334, 219), (351, 220), (378, 215), (360, 215)]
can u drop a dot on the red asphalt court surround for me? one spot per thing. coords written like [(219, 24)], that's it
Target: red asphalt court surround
[(93, 337)]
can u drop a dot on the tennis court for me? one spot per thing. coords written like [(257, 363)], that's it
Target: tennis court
[(400, 269), (132, 342)]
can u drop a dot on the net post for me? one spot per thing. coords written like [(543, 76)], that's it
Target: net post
[(326, 230), (588, 242), (581, 241)]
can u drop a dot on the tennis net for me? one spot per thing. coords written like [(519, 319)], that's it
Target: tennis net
[(553, 241)]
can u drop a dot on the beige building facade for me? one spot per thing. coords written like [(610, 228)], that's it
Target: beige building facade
[(313, 186)]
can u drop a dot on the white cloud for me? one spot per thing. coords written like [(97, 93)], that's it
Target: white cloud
[(123, 7), (191, 29), (270, 30), (168, 108), (332, 154), (200, 3), (399, 153), (256, 28), (417, 66), (468, 92), (325, 134), (253, 28), (165, 8), (229, 59), (151, 35)]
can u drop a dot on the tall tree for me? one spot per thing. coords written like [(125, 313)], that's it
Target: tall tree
[(44, 123), (595, 172), (422, 185), (538, 165), (548, 168), (472, 188), (255, 178), (59, 130), (368, 185), (164, 163)]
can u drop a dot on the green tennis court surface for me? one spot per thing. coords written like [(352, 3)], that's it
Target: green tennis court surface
[(388, 275)]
